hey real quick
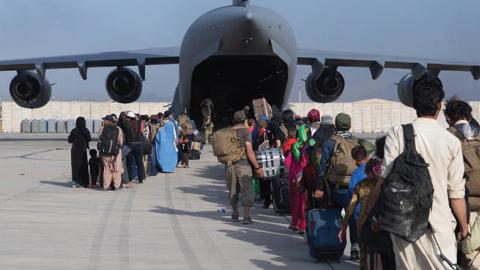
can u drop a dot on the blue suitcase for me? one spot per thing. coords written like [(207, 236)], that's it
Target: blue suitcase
[(323, 226)]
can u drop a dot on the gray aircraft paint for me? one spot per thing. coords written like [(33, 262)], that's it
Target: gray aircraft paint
[(235, 30)]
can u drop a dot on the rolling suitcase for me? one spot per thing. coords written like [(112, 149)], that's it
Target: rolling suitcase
[(323, 226), (280, 195)]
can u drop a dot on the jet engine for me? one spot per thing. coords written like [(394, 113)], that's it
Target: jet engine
[(327, 88), (29, 90), (405, 88), (124, 85)]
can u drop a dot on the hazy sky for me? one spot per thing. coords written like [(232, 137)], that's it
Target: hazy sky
[(442, 29)]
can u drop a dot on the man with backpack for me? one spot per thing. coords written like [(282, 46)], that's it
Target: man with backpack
[(421, 187), (233, 147), (110, 145), (459, 116), (336, 162), (336, 168)]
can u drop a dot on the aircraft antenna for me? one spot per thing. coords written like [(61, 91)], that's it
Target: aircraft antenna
[(240, 2)]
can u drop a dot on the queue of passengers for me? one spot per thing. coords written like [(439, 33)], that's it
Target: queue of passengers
[(411, 200), (130, 148)]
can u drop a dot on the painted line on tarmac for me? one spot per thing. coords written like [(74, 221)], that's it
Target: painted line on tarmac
[(183, 244), (123, 242), (32, 188), (27, 156), (96, 249)]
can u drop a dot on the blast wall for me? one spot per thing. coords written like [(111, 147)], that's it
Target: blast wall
[(368, 116)]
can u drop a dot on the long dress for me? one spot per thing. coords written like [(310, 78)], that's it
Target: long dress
[(79, 138), (166, 151)]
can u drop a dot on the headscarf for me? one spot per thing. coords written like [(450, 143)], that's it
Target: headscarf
[(302, 137), (81, 125)]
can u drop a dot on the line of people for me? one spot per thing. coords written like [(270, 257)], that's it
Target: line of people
[(421, 176), (132, 147)]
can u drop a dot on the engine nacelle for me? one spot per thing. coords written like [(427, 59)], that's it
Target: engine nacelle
[(405, 88), (29, 90), (124, 85), (327, 88)]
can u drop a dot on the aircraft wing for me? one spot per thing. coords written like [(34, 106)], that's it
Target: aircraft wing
[(140, 58), (376, 63)]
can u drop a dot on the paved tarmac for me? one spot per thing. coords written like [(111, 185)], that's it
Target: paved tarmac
[(170, 222)]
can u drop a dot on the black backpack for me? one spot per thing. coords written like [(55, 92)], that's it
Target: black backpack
[(407, 193), (108, 143)]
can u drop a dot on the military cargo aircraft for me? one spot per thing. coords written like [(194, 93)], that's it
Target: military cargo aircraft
[(230, 55)]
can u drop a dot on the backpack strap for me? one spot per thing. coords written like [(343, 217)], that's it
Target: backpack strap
[(409, 137)]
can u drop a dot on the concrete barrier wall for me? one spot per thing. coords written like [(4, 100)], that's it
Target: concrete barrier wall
[(367, 116), (12, 114)]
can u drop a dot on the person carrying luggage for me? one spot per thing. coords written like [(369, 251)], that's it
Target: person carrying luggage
[(462, 124), (110, 148), (336, 163), (421, 219), (296, 161), (233, 147)]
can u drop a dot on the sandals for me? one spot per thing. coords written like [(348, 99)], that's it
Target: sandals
[(293, 228)]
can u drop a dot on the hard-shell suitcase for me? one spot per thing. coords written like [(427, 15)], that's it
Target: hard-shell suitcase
[(323, 226), (280, 195), (262, 108)]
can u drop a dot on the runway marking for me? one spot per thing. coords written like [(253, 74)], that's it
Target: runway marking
[(123, 242), (183, 244), (32, 188), (27, 156), (96, 249)]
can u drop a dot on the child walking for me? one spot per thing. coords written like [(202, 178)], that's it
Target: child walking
[(94, 164), (185, 150)]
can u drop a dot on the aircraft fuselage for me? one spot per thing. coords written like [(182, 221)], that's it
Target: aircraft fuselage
[(234, 54)]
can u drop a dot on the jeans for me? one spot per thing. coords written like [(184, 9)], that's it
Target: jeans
[(135, 157)]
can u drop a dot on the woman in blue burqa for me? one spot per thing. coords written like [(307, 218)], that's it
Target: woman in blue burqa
[(166, 149)]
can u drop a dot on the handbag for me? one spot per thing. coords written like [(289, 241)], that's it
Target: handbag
[(472, 242)]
